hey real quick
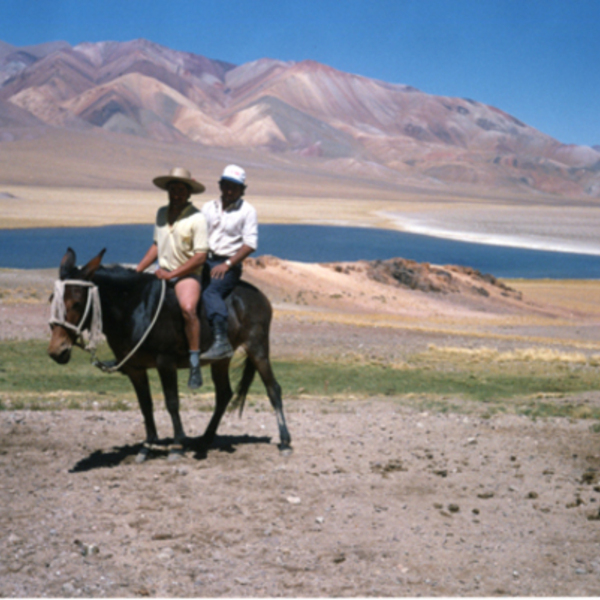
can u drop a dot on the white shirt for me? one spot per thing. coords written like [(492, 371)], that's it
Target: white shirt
[(179, 242), (229, 230)]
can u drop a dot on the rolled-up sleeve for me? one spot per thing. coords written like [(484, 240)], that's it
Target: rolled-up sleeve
[(250, 231)]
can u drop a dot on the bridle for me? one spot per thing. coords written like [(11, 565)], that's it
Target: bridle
[(58, 313), (58, 317)]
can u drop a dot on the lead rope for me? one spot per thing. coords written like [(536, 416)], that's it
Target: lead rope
[(58, 317), (107, 367)]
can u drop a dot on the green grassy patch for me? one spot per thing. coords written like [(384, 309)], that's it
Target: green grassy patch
[(439, 379)]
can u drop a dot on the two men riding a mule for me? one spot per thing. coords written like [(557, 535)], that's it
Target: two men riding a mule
[(187, 240), (151, 325)]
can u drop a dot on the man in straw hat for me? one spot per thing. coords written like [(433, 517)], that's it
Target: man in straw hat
[(232, 236), (181, 245)]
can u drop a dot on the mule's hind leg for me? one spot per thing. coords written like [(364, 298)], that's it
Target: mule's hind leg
[(139, 380), (263, 366), (223, 394), (167, 371)]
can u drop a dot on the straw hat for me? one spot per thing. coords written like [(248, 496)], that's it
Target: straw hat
[(179, 174)]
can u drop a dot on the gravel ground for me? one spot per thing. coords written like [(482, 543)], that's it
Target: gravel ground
[(378, 498)]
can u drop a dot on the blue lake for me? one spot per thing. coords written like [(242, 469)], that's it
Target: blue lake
[(44, 248)]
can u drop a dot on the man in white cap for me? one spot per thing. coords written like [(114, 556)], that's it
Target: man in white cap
[(181, 246), (232, 236)]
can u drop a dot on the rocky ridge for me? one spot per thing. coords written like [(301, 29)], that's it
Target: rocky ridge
[(307, 110)]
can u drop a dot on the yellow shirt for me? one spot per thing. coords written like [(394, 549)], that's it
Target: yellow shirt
[(177, 243)]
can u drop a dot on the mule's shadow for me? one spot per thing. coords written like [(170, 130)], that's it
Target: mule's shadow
[(101, 459)]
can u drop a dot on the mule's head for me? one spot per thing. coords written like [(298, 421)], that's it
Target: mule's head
[(75, 298)]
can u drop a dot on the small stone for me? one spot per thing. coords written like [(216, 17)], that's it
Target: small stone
[(68, 589), (87, 549), (293, 499), (320, 520), (166, 554), (453, 508), (485, 495)]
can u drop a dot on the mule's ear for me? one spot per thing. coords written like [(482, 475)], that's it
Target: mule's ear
[(88, 271), (67, 264)]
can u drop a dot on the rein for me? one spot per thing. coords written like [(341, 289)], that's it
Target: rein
[(58, 317)]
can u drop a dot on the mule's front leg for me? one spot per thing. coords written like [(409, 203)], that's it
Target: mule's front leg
[(223, 394), (141, 385), (167, 370)]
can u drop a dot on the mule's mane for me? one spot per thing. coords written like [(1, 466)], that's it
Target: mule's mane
[(121, 276), (119, 272)]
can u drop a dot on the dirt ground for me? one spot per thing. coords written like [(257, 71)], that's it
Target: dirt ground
[(377, 498)]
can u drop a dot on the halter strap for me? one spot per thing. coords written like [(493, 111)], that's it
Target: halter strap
[(58, 311), (58, 317)]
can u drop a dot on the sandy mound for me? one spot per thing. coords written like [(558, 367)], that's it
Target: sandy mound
[(394, 287)]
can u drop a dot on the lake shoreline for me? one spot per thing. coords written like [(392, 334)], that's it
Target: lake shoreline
[(44, 247)]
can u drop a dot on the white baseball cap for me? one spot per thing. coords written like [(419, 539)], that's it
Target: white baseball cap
[(235, 174)]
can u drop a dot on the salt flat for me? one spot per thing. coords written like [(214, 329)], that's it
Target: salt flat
[(544, 225)]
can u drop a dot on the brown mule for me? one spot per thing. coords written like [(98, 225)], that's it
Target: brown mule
[(128, 302)]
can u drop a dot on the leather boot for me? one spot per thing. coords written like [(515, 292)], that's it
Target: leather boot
[(221, 348)]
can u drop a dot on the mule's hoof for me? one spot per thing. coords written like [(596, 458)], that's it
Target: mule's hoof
[(176, 453), (142, 455), (285, 449)]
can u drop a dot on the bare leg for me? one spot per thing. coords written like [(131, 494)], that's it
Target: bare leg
[(188, 296)]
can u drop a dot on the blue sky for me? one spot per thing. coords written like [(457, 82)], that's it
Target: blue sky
[(535, 59)]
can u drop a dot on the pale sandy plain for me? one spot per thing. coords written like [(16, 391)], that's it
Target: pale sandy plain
[(383, 496), (77, 179)]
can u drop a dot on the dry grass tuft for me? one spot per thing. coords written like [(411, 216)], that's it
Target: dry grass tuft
[(21, 295), (544, 355)]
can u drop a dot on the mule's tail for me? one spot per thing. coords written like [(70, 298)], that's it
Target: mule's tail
[(244, 385)]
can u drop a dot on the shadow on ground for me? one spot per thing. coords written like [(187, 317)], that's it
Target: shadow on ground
[(163, 449)]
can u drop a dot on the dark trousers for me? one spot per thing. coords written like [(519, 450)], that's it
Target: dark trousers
[(216, 290)]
